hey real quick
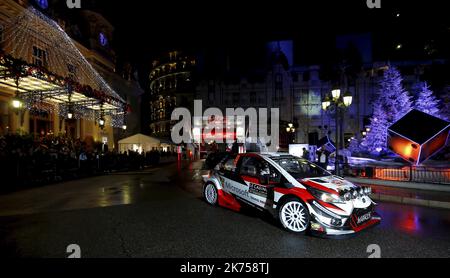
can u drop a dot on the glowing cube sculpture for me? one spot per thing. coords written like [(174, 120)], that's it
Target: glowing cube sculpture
[(418, 136)]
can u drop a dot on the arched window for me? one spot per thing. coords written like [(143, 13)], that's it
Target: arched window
[(103, 39)]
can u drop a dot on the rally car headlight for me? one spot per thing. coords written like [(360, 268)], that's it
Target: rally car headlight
[(348, 196), (326, 197)]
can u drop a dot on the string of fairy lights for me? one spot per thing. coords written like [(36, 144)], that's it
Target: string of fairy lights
[(31, 32)]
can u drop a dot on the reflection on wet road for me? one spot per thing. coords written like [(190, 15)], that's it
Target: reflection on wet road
[(415, 220), (102, 191), (159, 213)]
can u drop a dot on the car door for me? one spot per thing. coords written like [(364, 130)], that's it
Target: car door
[(257, 175), (231, 181)]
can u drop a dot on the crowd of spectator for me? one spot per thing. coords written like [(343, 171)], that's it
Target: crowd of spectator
[(27, 161)]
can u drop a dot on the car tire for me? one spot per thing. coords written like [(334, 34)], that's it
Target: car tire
[(211, 194), (294, 216)]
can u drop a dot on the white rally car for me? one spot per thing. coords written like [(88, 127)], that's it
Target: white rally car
[(300, 194)]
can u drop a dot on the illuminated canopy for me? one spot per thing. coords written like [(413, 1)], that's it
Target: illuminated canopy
[(36, 45)]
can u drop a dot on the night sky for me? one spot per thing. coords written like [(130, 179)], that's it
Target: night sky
[(144, 29)]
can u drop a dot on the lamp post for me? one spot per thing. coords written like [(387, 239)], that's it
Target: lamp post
[(101, 121), (18, 105), (340, 103), (290, 129)]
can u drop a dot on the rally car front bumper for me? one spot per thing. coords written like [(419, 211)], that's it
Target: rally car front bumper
[(326, 223)]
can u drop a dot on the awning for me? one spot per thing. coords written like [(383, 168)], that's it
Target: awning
[(83, 91)]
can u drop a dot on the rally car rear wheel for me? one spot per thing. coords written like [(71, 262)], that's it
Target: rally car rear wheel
[(294, 215), (210, 193)]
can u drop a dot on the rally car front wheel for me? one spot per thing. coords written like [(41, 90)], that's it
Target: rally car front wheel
[(210, 194), (294, 215)]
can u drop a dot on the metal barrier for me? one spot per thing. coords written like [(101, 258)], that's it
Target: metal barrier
[(407, 174)]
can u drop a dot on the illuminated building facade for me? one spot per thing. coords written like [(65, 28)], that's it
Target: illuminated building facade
[(298, 91), (171, 85), (64, 74)]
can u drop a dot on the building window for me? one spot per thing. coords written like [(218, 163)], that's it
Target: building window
[(4, 117), (39, 57), (103, 39)]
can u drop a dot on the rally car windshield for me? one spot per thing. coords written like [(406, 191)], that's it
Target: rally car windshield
[(300, 168)]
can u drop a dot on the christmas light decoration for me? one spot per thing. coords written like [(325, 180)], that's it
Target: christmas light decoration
[(426, 101), (72, 88)]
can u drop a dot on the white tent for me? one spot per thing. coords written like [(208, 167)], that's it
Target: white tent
[(139, 143)]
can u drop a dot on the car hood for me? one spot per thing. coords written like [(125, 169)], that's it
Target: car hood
[(331, 182)]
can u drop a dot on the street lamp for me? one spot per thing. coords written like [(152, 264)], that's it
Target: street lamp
[(340, 102), (16, 103), (326, 103), (336, 94), (347, 99), (290, 129), (101, 122)]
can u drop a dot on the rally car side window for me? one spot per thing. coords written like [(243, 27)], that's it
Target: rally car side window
[(249, 167), (257, 167), (267, 169), (227, 165)]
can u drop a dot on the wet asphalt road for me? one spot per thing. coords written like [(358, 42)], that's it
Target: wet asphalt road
[(160, 213)]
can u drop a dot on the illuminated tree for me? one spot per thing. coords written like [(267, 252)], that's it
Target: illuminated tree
[(391, 104), (394, 99), (376, 140), (426, 101)]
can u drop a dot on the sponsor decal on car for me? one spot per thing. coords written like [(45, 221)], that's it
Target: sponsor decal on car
[(234, 190), (363, 218), (257, 189)]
